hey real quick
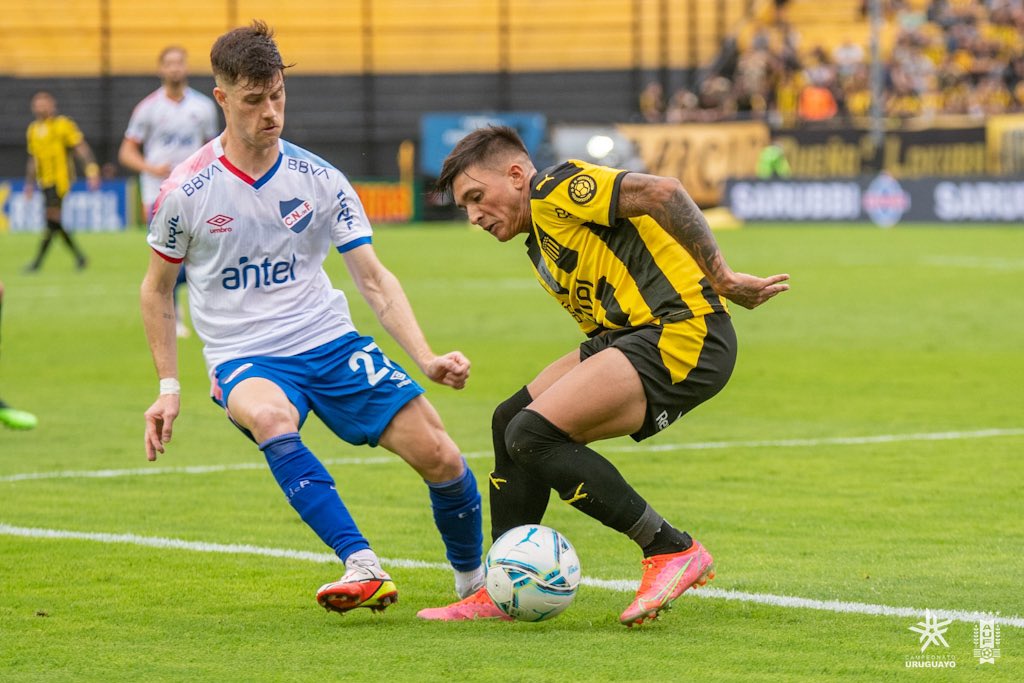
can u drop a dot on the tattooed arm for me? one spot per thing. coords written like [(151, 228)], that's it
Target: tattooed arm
[(665, 200)]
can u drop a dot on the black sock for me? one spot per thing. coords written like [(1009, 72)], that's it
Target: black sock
[(516, 497), (667, 539), (582, 477)]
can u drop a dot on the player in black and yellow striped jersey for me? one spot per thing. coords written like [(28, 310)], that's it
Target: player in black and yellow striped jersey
[(51, 138), (631, 258)]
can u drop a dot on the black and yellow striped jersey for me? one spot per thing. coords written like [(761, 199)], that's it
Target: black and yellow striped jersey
[(609, 272), (49, 143)]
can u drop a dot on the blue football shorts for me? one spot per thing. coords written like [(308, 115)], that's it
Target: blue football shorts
[(348, 383)]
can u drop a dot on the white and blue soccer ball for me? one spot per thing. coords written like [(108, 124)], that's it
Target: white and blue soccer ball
[(532, 573)]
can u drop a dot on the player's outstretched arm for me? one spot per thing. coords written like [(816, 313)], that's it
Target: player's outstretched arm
[(667, 202), (158, 319), (384, 293)]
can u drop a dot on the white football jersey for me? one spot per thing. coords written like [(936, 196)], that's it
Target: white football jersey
[(254, 250), (170, 131)]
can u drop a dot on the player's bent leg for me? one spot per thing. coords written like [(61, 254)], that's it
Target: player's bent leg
[(582, 477), (600, 398), (591, 484), (417, 435), (603, 397), (262, 407), (516, 496)]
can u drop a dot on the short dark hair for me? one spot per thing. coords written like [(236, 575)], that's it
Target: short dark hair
[(248, 55), (481, 146), (168, 50)]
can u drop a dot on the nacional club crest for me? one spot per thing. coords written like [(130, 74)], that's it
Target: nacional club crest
[(296, 214)]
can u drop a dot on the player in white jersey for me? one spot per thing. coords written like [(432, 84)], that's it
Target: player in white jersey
[(165, 128), (253, 218)]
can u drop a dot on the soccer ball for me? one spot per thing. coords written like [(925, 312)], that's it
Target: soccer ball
[(532, 573)]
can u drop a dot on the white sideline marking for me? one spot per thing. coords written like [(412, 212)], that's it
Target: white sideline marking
[(379, 460), (828, 441), (191, 469), (985, 263), (620, 585)]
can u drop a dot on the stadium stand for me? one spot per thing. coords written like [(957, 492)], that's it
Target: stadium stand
[(806, 62)]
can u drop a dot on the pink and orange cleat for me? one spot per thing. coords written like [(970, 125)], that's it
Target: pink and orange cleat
[(665, 578), (477, 606)]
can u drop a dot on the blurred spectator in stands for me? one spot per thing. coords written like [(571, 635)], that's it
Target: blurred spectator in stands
[(955, 86), (683, 107), (910, 62), (817, 100), (756, 71), (1014, 79), (820, 70), (716, 99), (787, 97), (990, 97), (762, 40), (908, 17), (816, 103), (903, 102), (652, 103), (848, 57), (781, 11), (857, 93)]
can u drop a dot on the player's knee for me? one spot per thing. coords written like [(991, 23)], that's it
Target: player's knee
[(503, 415), (505, 412), (269, 420), (437, 456), (530, 437)]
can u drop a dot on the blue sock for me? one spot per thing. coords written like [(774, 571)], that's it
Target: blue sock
[(456, 505), (310, 490)]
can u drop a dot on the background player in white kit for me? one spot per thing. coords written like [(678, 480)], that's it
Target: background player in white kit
[(165, 128), (253, 218)]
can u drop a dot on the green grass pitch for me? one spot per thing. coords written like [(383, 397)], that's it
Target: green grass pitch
[(866, 452)]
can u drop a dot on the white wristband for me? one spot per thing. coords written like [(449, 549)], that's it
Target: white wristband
[(170, 385)]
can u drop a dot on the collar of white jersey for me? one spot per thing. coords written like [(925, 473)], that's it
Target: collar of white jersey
[(255, 183)]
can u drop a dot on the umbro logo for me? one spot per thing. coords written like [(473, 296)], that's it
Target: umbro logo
[(219, 221)]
